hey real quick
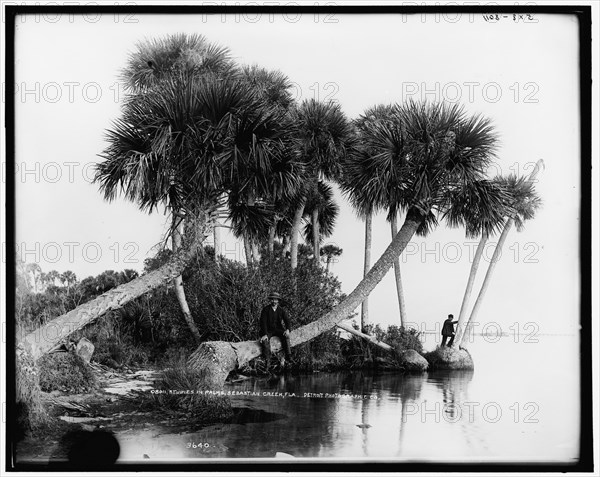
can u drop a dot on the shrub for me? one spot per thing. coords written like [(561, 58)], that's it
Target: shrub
[(65, 372), (360, 353), (181, 389)]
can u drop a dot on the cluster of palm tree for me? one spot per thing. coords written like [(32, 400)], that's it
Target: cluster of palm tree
[(209, 140)]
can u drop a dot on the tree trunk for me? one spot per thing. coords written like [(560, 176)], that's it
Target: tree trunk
[(218, 358), (285, 246), (48, 336), (462, 317), (496, 256), (178, 282), (328, 263), (296, 232), (248, 250), (271, 244), (364, 315), (255, 252), (488, 275), (399, 289), (316, 236), (369, 338), (217, 240)]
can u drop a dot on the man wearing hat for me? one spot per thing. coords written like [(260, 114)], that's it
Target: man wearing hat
[(274, 321)]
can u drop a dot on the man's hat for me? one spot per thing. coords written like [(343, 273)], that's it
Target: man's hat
[(274, 295)]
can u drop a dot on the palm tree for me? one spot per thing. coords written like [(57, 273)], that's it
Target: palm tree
[(322, 208), (274, 174), (441, 149), (525, 203), (177, 144), (68, 278), (330, 251), (481, 207), (151, 73), (323, 136)]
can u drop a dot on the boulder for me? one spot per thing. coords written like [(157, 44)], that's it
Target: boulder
[(412, 361), (445, 357), (85, 349)]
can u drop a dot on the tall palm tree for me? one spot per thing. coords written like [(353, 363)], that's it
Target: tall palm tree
[(481, 207), (177, 144), (323, 136), (525, 203), (441, 148), (151, 70), (363, 207), (274, 175), (385, 114)]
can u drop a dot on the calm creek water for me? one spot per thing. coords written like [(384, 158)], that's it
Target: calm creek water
[(520, 404)]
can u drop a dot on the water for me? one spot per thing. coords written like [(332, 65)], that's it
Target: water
[(520, 404)]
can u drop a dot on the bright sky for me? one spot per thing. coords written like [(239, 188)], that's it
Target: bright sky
[(523, 75)]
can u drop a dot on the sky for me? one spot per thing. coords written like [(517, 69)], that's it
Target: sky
[(522, 74)]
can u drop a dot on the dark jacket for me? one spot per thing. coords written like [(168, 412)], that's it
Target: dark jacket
[(272, 322), (448, 328)]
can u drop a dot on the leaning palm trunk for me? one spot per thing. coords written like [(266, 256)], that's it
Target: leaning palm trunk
[(495, 258), (178, 283), (218, 358), (296, 232), (462, 317), (488, 275), (48, 336), (316, 236), (399, 289), (364, 316)]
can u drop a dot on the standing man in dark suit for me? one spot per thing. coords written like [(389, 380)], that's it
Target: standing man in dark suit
[(274, 321), (448, 330)]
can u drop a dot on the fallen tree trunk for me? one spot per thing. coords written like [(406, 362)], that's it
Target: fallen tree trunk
[(369, 338), (216, 359), (45, 338)]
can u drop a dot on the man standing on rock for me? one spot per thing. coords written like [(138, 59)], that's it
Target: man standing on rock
[(448, 331), (274, 321)]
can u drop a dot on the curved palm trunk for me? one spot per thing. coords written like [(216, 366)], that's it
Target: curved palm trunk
[(298, 213), (178, 283), (218, 358), (316, 236), (48, 336), (364, 315), (462, 317), (399, 289), (488, 275)]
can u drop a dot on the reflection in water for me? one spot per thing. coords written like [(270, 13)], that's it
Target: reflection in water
[(437, 416)]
